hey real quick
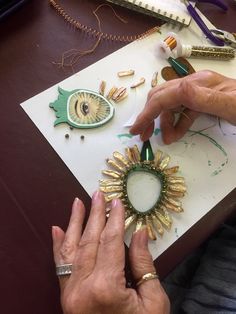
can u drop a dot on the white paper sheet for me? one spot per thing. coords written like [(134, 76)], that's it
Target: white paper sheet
[(206, 161)]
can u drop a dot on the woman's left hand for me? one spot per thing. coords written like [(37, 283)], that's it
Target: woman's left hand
[(97, 283)]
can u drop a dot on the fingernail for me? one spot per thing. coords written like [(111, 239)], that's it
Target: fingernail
[(54, 232), (97, 195), (76, 200), (114, 203)]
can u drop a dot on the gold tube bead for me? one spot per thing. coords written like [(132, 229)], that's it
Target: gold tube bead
[(130, 220), (115, 165), (129, 155), (177, 187), (121, 97), (112, 173), (166, 214), (111, 182), (119, 92), (102, 88), (112, 196), (135, 153), (119, 157), (111, 189), (171, 170), (158, 157), (125, 73), (154, 79), (111, 92), (157, 224), (174, 208), (140, 224), (175, 179), (174, 194), (164, 163), (172, 201), (150, 230), (162, 219), (137, 84)]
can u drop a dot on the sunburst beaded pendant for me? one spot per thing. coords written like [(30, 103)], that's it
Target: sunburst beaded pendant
[(149, 190)]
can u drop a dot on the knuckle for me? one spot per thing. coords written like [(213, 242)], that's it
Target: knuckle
[(107, 237), (185, 88), (87, 242), (67, 250), (212, 98)]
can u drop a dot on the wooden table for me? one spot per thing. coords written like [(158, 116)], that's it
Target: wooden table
[(36, 188)]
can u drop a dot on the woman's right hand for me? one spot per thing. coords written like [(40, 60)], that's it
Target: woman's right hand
[(201, 92)]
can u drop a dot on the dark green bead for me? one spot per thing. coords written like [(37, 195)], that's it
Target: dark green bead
[(146, 152), (179, 67)]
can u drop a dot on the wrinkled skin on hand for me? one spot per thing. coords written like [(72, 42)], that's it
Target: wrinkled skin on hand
[(97, 283), (201, 92)]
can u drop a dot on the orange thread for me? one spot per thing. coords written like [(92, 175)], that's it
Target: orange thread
[(171, 42), (71, 57)]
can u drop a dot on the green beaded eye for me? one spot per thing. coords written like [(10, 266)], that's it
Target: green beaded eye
[(82, 108)]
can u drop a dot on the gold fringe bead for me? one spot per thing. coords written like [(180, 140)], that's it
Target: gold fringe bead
[(110, 189), (150, 230), (111, 173), (125, 73), (172, 170), (162, 219), (137, 84), (157, 224), (176, 209), (119, 157), (111, 92), (102, 88), (115, 165), (130, 220), (135, 154), (175, 180), (157, 158), (154, 79), (119, 93), (164, 163), (110, 197), (111, 182), (140, 224), (177, 187), (174, 194)]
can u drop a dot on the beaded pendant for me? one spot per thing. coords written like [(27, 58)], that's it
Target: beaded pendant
[(148, 189)]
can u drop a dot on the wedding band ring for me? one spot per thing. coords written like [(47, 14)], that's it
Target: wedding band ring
[(146, 277), (64, 269)]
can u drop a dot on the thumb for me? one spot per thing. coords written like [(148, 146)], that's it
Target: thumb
[(151, 292), (140, 257)]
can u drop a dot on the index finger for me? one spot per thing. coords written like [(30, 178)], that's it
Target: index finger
[(111, 253), (164, 99)]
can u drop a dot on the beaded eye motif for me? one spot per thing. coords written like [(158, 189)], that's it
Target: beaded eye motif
[(82, 108), (148, 189)]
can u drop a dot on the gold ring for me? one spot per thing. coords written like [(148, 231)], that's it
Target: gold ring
[(146, 277)]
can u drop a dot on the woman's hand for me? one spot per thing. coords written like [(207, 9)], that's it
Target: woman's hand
[(97, 283), (201, 92)]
